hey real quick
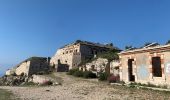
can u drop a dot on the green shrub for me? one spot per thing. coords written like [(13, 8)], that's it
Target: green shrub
[(89, 74), (103, 76), (78, 73), (72, 71)]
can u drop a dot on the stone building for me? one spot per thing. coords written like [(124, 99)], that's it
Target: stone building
[(150, 64), (31, 66), (72, 55)]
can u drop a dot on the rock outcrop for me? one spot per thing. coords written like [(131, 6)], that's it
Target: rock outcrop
[(13, 80)]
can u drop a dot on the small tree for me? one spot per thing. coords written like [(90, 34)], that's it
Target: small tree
[(128, 47), (109, 44), (168, 42)]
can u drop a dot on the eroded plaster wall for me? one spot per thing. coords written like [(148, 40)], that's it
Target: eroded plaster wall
[(142, 67)]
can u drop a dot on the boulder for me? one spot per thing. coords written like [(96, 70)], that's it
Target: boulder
[(40, 79)]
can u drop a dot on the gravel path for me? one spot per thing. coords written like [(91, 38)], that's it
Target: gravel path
[(81, 89)]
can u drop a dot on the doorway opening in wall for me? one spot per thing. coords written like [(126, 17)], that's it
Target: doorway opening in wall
[(130, 70), (156, 67), (59, 62)]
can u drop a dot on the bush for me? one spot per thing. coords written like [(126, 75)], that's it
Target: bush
[(103, 76), (14, 74), (29, 84), (22, 74), (78, 73), (41, 73), (89, 74), (114, 79), (72, 71)]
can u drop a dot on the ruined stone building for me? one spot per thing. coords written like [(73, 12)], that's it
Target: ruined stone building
[(150, 64), (31, 66), (72, 55), (99, 65)]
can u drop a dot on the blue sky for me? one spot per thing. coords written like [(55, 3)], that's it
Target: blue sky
[(39, 27)]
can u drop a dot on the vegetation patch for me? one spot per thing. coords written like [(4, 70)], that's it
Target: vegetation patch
[(6, 95), (29, 84), (85, 74), (72, 71), (89, 74), (78, 73), (103, 76), (109, 55)]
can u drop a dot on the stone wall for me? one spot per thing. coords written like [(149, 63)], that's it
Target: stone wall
[(39, 65), (69, 55), (99, 65)]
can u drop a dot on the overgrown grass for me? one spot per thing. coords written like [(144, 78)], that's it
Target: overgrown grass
[(6, 95)]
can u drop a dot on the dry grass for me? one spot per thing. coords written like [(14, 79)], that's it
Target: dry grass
[(6, 95)]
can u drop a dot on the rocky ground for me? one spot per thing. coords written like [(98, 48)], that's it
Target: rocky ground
[(81, 89)]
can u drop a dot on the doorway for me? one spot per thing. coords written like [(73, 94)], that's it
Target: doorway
[(130, 70)]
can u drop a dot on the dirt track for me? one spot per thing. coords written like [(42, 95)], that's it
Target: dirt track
[(81, 89)]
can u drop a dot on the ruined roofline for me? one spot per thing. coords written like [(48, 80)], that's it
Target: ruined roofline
[(160, 47), (91, 44), (29, 59)]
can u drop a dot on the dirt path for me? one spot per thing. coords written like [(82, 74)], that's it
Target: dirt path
[(81, 89)]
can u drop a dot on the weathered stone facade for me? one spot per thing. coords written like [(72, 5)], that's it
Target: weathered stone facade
[(77, 52), (151, 64), (100, 64), (32, 66)]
